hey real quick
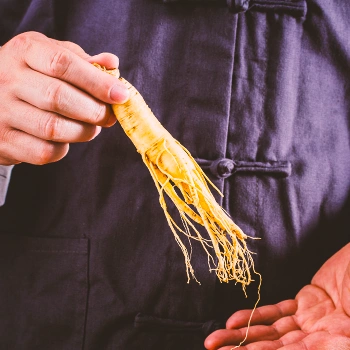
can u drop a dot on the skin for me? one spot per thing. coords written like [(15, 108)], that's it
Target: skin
[(52, 96), (317, 319)]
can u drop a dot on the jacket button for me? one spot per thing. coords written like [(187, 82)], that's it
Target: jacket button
[(222, 168), (237, 6)]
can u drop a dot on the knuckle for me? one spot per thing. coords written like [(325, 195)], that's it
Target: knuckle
[(24, 40), (20, 40), (59, 63), (46, 153), (50, 127), (7, 139), (6, 134), (99, 114), (55, 96), (32, 35)]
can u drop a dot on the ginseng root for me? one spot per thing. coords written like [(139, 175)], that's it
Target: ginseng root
[(171, 166)]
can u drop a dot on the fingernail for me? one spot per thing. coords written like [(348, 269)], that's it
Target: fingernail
[(97, 131), (111, 121), (119, 93)]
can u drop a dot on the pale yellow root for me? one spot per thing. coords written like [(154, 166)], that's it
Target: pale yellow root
[(172, 166)]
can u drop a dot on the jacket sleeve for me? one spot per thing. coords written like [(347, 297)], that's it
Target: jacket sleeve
[(5, 175)]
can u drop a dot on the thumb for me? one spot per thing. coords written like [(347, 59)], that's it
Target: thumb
[(105, 59)]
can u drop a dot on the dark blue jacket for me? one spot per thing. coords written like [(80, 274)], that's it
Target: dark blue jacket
[(261, 100)]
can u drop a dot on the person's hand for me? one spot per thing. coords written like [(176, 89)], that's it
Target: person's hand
[(51, 95), (318, 318)]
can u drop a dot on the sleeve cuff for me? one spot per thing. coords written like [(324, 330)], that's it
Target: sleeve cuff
[(5, 175)]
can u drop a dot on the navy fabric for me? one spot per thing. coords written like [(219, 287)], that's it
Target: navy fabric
[(87, 258)]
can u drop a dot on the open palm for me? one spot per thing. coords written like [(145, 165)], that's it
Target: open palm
[(317, 319)]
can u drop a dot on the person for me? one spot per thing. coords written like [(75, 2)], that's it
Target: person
[(318, 318), (257, 91)]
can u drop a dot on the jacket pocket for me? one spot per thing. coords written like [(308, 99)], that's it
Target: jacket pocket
[(43, 292)]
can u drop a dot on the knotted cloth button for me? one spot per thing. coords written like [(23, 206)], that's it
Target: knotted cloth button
[(237, 6), (222, 167)]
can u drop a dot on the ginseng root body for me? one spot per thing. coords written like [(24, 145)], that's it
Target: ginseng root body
[(171, 166)]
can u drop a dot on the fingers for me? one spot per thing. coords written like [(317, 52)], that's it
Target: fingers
[(53, 95), (21, 147), (50, 126), (105, 59), (59, 62), (294, 338), (224, 337), (78, 50), (269, 322), (262, 345), (263, 315), (250, 335), (301, 341)]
